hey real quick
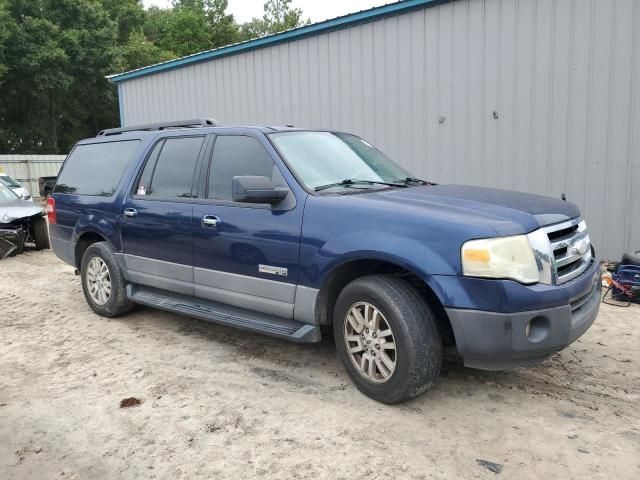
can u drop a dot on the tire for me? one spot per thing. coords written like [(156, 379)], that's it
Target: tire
[(40, 234), (116, 303), (418, 346)]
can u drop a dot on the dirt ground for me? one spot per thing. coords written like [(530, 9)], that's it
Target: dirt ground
[(221, 403)]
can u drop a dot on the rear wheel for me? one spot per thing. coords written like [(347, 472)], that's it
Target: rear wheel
[(103, 283), (40, 233), (387, 339)]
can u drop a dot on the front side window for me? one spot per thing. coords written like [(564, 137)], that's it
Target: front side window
[(235, 156), (96, 168), (322, 158), (170, 168)]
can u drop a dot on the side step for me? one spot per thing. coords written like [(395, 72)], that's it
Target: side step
[(224, 314)]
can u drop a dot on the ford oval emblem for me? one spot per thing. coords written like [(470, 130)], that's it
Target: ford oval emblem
[(580, 246)]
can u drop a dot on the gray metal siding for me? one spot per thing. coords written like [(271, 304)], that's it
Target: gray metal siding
[(562, 75), (27, 169)]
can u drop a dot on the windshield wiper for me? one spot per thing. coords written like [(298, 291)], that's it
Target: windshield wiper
[(353, 181), (415, 180)]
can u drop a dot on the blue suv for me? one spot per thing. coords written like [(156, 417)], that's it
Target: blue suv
[(282, 231)]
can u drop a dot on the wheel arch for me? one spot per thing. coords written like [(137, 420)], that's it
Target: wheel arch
[(342, 274), (84, 241)]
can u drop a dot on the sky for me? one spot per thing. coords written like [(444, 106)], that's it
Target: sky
[(316, 10)]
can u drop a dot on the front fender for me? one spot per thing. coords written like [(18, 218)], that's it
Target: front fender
[(409, 254), (403, 251)]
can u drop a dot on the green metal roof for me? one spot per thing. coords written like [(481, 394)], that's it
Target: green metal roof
[(287, 36)]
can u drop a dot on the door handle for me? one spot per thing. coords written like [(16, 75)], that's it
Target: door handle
[(130, 212), (210, 221)]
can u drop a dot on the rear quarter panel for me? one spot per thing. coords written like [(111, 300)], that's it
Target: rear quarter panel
[(79, 214)]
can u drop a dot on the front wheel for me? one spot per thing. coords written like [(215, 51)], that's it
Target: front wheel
[(40, 233), (387, 338)]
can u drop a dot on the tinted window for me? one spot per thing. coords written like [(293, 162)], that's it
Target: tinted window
[(96, 169), (145, 178), (237, 156), (174, 169)]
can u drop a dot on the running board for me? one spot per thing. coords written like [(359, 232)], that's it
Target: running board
[(224, 314)]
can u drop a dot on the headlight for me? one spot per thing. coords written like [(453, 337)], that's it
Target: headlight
[(500, 257)]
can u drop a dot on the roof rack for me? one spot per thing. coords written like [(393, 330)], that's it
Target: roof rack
[(198, 122)]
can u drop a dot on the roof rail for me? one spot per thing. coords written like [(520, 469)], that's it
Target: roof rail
[(198, 122)]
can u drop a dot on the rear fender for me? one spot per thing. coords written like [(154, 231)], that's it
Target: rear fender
[(100, 224)]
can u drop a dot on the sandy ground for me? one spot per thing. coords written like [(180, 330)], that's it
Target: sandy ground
[(220, 403)]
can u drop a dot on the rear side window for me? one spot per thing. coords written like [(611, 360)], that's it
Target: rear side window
[(170, 168), (96, 169), (238, 156)]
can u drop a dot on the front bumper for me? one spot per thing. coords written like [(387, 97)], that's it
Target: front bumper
[(496, 340)]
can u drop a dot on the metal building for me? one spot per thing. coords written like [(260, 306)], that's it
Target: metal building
[(534, 95), (27, 169)]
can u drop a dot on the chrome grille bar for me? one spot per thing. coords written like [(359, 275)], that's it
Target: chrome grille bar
[(571, 250)]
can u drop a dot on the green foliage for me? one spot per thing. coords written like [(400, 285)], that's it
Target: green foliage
[(191, 26), (139, 51), (6, 25), (55, 55), (54, 90), (278, 17)]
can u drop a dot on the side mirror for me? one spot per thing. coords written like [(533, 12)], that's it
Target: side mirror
[(251, 189)]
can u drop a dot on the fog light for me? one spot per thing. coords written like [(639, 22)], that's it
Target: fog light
[(537, 329)]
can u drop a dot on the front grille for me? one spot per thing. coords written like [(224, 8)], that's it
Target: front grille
[(571, 249)]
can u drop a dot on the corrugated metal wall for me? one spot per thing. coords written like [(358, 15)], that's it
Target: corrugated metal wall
[(27, 169), (562, 77)]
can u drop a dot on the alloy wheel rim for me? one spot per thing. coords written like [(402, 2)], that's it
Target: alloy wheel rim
[(98, 281), (370, 342)]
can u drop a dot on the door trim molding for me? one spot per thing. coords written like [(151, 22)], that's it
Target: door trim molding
[(162, 268), (304, 309), (244, 284), (259, 294)]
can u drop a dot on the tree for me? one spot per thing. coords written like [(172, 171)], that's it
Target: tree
[(55, 55), (223, 27), (139, 51), (37, 77), (6, 24), (278, 17), (191, 26), (128, 14), (59, 53)]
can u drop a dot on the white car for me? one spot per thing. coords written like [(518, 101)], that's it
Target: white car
[(13, 184)]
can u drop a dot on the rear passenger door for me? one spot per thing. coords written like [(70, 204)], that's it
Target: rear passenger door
[(249, 257), (156, 218)]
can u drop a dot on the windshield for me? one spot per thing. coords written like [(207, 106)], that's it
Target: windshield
[(323, 158), (8, 181), (6, 195)]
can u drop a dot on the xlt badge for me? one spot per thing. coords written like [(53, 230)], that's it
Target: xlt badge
[(273, 270)]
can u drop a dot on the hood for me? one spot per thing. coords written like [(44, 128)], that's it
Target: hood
[(21, 192), (506, 212), (17, 209)]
